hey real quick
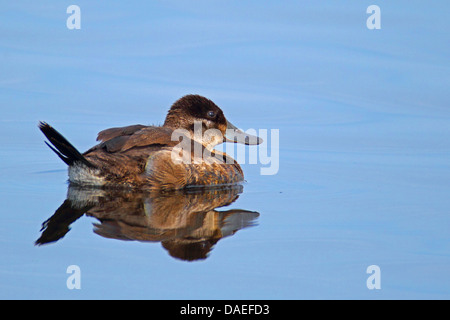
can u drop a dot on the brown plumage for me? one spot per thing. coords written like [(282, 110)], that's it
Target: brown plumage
[(141, 156)]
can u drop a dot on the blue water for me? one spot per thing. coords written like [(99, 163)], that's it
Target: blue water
[(364, 156)]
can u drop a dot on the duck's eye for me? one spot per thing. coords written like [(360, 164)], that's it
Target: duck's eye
[(211, 114)]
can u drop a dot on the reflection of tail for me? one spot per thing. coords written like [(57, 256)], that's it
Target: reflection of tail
[(64, 149), (58, 225)]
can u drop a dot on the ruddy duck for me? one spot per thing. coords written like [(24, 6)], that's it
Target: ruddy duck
[(146, 157)]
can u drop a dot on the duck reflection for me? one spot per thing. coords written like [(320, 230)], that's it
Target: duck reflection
[(186, 223)]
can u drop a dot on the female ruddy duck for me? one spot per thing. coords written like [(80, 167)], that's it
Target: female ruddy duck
[(150, 157)]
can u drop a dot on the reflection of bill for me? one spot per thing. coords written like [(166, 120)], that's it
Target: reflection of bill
[(186, 223), (198, 148)]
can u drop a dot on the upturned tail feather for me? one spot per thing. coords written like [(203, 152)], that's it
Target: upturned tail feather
[(63, 148)]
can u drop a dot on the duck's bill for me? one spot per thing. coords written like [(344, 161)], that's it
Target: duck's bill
[(233, 134)]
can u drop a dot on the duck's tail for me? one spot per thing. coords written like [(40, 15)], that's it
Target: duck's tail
[(64, 149)]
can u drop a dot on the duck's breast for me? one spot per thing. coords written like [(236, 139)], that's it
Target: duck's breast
[(166, 169)]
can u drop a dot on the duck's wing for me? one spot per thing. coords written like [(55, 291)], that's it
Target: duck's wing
[(111, 133), (125, 138), (150, 136)]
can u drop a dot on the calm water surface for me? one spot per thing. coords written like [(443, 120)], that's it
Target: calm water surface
[(364, 160)]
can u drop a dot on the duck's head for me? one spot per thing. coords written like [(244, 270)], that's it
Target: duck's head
[(201, 116)]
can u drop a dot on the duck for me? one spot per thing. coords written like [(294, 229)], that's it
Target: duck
[(176, 155)]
